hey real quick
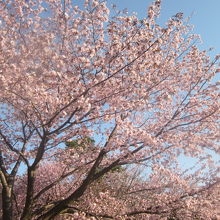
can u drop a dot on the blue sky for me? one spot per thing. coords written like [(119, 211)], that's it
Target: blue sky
[(205, 16)]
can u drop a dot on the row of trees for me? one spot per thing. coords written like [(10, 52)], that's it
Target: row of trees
[(96, 109)]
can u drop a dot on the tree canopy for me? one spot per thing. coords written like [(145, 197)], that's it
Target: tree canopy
[(96, 109)]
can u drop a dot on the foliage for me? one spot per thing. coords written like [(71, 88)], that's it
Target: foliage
[(83, 142)]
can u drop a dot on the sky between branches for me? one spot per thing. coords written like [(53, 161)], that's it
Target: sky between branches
[(205, 17), (204, 14)]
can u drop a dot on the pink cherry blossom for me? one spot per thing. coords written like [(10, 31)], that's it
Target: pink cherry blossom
[(144, 93)]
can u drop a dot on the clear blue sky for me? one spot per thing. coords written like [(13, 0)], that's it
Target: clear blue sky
[(205, 19), (205, 16)]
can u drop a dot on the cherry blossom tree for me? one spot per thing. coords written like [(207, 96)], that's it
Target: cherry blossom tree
[(145, 93)]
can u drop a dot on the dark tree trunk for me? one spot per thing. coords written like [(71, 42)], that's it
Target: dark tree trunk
[(27, 214), (7, 211)]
